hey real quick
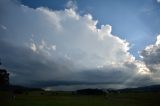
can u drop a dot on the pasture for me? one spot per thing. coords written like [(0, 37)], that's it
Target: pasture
[(43, 98)]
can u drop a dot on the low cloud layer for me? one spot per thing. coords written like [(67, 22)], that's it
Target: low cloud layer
[(43, 47)]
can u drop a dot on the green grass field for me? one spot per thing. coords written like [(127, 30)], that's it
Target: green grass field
[(67, 99)]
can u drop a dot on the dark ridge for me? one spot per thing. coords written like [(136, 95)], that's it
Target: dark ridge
[(152, 88), (90, 92), (18, 88)]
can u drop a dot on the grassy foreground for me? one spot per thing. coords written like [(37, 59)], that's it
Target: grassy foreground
[(69, 99)]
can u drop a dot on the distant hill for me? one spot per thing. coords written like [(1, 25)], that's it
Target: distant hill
[(91, 92), (152, 88), (18, 88)]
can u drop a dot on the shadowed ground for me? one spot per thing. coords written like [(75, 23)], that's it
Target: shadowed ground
[(41, 98)]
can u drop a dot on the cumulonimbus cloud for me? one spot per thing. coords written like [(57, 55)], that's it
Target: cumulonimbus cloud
[(43, 45)]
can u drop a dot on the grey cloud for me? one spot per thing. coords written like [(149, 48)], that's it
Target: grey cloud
[(29, 66), (151, 55), (36, 70)]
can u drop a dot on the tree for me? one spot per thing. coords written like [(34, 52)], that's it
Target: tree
[(4, 77)]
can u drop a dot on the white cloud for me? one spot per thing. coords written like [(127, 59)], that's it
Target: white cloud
[(158, 41), (158, 1), (54, 47), (72, 4), (33, 47), (72, 43)]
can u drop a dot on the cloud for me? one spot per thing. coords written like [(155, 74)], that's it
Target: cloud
[(72, 4), (3, 27), (151, 57), (151, 53), (62, 47), (158, 1)]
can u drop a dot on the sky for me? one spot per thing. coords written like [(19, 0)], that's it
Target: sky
[(74, 44)]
